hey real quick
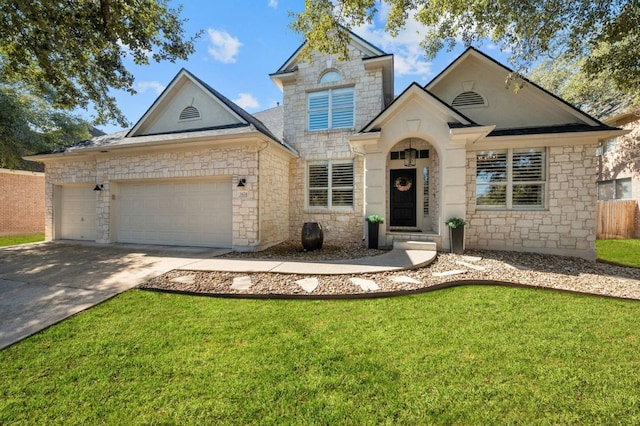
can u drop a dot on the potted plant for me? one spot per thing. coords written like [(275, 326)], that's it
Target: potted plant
[(456, 232), (374, 222)]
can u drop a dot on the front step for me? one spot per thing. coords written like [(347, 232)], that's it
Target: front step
[(414, 245)]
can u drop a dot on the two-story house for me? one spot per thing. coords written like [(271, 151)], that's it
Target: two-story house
[(196, 169)]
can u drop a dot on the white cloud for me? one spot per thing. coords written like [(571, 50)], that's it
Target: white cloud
[(224, 47), (409, 56), (246, 100), (273, 4), (143, 86)]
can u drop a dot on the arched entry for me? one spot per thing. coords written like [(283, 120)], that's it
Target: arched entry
[(411, 190)]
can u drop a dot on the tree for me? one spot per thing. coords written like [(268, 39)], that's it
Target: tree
[(29, 124), (599, 96), (605, 32), (73, 50)]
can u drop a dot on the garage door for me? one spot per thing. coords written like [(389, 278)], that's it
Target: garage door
[(196, 213), (77, 213)]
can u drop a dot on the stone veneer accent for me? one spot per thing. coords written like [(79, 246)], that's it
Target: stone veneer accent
[(274, 199), (22, 202), (339, 225), (566, 227), (231, 163)]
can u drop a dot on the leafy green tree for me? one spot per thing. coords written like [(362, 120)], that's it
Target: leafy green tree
[(604, 32), (76, 48), (598, 96), (30, 124)]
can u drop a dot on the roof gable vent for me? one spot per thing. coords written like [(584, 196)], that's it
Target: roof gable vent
[(468, 99), (189, 113)]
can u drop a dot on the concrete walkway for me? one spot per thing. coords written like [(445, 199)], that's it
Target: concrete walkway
[(394, 260), (44, 283)]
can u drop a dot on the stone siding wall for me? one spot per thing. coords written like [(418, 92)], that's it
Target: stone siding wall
[(21, 202), (339, 225), (566, 227), (232, 162), (274, 199), (64, 172)]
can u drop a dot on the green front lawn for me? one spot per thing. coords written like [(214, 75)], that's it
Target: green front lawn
[(23, 239), (623, 252), (469, 355)]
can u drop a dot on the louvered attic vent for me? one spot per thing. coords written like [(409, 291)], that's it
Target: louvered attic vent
[(189, 113), (468, 99)]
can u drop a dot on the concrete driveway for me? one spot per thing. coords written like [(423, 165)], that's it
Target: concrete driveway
[(44, 283)]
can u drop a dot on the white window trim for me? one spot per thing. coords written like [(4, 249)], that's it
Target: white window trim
[(330, 91), (329, 206), (509, 183)]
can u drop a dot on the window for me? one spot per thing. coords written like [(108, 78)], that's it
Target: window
[(330, 185), (511, 179), (189, 113), (399, 155), (609, 145), (330, 77), (425, 191), (468, 99), (618, 189), (330, 109)]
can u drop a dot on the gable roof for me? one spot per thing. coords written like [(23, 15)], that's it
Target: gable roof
[(369, 49), (589, 122), (240, 114), (460, 119)]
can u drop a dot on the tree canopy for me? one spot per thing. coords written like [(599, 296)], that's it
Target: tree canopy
[(29, 124), (72, 51), (606, 33)]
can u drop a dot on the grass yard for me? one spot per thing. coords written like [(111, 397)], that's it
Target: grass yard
[(23, 239), (468, 355), (622, 252)]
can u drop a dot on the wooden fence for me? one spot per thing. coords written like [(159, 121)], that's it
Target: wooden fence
[(615, 219)]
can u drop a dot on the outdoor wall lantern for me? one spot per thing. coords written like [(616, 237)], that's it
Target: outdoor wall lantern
[(410, 155), (98, 187), (241, 182)]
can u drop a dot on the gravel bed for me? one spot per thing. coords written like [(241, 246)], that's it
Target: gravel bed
[(564, 273)]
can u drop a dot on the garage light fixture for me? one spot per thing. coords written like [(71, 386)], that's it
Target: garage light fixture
[(241, 182), (98, 187)]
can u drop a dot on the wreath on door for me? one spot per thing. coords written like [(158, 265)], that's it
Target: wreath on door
[(403, 183)]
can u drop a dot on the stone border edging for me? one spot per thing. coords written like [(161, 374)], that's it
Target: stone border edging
[(378, 295)]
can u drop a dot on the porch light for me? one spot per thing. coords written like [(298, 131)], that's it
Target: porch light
[(98, 187), (410, 155), (241, 182)]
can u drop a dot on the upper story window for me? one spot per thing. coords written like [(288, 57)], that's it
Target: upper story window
[(189, 113), (468, 99), (330, 109), (511, 179), (331, 77), (609, 145)]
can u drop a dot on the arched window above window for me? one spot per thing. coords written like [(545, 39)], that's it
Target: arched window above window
[(330, 77), (468, 99), (189, 113)]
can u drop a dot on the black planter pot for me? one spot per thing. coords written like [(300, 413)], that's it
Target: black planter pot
[(457, 239), (312, 236), (373, 234)]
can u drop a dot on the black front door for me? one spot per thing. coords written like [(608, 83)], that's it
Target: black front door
[(403, 197)]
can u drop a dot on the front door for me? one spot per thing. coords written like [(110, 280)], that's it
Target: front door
[(403, 197)]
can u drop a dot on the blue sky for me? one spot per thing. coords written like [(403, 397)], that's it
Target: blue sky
[(243, 41)]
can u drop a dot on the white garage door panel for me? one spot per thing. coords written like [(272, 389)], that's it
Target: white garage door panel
[(176, 213), (77, 213)]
